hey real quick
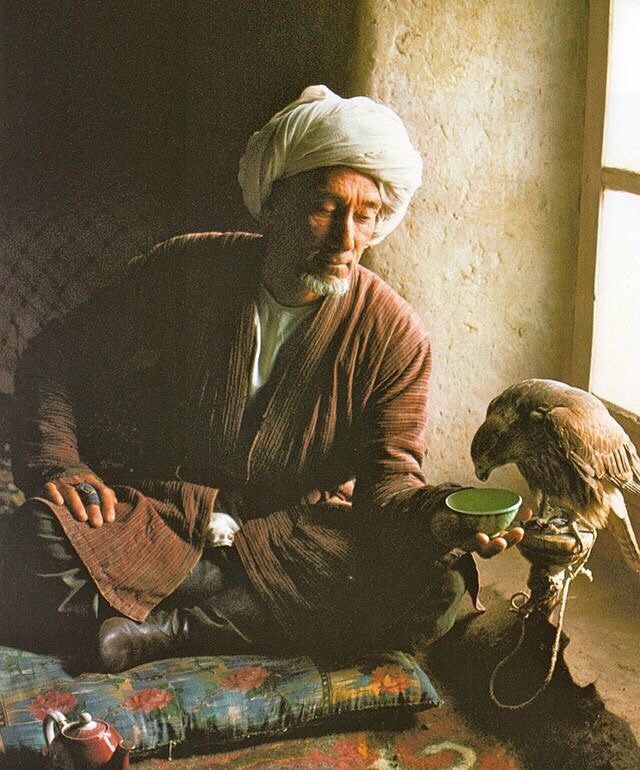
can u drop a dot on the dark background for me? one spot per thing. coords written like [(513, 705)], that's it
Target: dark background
[(123, 123)]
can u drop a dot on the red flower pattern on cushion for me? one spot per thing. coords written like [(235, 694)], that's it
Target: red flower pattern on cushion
[(245, 678), (54, 699), (390, 679), (148, 700)]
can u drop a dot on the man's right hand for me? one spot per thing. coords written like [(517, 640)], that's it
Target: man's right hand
[(62, 491)]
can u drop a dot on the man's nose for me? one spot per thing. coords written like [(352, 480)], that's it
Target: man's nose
[(343, 233)]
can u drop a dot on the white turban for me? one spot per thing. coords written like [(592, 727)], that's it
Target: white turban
[(322, 129)]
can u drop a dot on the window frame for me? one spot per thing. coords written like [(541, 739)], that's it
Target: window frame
[(595, 179)]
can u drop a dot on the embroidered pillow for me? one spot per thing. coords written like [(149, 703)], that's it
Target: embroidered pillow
[(201, 702)]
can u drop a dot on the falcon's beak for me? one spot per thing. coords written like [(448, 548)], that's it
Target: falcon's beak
[(483, 473)]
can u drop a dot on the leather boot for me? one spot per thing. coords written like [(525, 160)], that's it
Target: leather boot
[(123, 643)]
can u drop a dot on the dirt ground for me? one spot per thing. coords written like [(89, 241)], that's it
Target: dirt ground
[(589, 717), (602, 621)]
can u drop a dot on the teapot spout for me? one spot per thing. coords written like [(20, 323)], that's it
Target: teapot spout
[(120, 758)]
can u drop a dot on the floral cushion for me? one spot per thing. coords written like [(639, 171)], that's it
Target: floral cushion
[(204, 701)]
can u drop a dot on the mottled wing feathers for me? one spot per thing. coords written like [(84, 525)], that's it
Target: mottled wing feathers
[(577, 427), (595, 444), (568, 447)]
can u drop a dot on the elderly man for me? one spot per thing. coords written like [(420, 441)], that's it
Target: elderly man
[(213, 410)]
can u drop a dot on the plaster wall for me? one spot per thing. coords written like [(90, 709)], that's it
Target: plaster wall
[(492, 93)]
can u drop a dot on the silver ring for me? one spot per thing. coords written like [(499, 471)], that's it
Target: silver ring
[(88, 493)]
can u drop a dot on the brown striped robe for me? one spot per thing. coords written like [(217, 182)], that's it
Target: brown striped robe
[(147, 384)]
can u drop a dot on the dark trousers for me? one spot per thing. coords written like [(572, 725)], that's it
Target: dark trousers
[(49, 602)]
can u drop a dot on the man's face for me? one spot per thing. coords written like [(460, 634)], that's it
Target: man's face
[(318, 225)]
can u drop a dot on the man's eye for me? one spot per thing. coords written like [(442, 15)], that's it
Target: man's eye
[(365, 218), (326, 210)]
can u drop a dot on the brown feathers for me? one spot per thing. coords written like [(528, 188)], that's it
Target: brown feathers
[(569, 449)]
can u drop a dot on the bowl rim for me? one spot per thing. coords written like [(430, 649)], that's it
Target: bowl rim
[(517, 501)]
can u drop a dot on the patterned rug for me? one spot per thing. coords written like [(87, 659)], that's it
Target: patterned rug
[(437, 739)]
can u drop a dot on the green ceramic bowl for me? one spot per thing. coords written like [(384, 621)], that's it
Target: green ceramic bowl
[(484, 509), (469, 511)]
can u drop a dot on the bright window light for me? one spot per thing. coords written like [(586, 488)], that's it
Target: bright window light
[(616, 341), (622, 123)]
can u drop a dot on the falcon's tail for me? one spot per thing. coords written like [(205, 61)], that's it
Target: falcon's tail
[(619, 524)]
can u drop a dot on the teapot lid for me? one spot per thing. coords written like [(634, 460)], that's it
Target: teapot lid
[(86, 727)]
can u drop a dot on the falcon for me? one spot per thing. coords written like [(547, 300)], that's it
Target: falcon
[(573, 455)]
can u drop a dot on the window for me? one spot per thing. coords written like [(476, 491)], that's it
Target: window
[(606, 357)]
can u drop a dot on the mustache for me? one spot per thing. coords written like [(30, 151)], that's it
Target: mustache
[(331, 257)]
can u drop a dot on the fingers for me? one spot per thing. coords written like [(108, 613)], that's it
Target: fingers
[(52, 493), (80, 510), (94, 514), (63, 491), (487, 547), (525, 513), (511, 536), (108, 502)]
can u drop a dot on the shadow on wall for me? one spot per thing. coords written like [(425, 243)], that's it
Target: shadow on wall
[(125, 126)]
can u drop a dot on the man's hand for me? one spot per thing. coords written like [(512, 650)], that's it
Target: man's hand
[(487, 547), (64, 491), (222, 529)]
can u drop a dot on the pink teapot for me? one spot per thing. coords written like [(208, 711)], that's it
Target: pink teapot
[(88, 744)]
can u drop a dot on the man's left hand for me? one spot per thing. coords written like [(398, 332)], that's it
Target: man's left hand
[(487, 546)]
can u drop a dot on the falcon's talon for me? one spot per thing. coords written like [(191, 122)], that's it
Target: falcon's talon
[(574, 456)]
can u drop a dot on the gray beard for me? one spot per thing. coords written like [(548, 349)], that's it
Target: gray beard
[(335, 288)]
